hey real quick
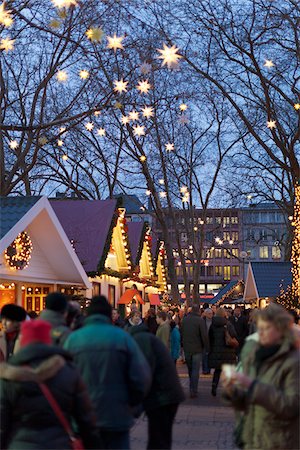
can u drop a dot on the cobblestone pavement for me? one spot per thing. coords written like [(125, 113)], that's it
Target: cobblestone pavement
[(201, 424)]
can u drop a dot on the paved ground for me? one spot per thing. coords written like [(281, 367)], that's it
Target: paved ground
[(201, 424)]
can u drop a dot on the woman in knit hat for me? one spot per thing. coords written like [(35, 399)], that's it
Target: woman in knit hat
[(12, 316), (28, 421)]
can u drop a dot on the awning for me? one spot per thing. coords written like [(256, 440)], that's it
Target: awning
[(129, 295), (154, 299)]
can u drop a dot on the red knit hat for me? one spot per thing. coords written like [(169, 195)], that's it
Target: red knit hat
[(35, 331)]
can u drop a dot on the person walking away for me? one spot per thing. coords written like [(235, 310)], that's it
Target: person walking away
[(163, 330), (55, 313), (150, 320), (11, 317), (240, 324), (116, 319), (220, 353), (268, 389), (195, 342), (175, 340), (165, 394), (27, 419), (114, 369), (207, 317)]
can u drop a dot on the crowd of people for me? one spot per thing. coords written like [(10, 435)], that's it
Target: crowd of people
[(71, 374)]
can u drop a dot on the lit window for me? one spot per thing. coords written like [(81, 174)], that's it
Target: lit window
[(234, 220), (276, 252), (226, 221), (218, 271), (218, 253), (235, 271), (209, 220), (264, 252), (226, 272), (235, 252), (226, 236), (218, 220), (235, 236)]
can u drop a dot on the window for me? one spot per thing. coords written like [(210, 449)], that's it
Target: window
[(218, 271), (183, 237), (234, 220), (218, 253), (235, 236), (219, 220), (209, 253), (235, 271), (226, 221), (209, 220), (226, 272), (250, 234), (276, 252), (210, 271), (235, 252), (264, 252), (263, 234), (209, 236), (226, 236), (111, 294), (227, 253), (202, 271)]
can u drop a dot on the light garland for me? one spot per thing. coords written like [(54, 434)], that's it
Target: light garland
[(122, 222), (18, 253), (295, 257)]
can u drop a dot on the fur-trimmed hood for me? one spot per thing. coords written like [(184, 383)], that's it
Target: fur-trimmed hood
[(42, 372)]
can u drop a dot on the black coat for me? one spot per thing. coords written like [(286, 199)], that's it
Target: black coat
[(220, 353), (194, 334), (165, 388), (241, 327), (27, 419)]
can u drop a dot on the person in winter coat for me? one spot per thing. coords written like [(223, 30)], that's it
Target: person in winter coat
[(135, 319), (114, 369), (55, 313), (240, 325), (150, 320), (27, 419), (116, 319), (163, 330), (195, 342), (175, 341), (165, 393), (220, 353), (11, 317), (268, 389)]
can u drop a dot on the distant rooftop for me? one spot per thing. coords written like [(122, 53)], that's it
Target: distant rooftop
[(131, 203), (271, 277), (12, 209), (264, 205)]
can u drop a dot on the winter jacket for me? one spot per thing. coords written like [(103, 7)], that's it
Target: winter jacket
[(3, 346), (220, 353), (240, 325), (27, 419), (194, 334), (175, 343), (271, 405), (151, 324), (163, 333), (59, 331), (165, 388), (114, 369)]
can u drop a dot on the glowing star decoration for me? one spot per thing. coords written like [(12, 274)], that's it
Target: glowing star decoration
[(13, 144), (120, 86), (269, 63), (161, 181), (162, 194), (7, 44), (97, 113), (297, 106), (42, 140), (144, 87), (84, 74), (60, 143), (271, 124), (183, 107), (62, 129), (61, 76), (183, 190), (169, 147), (65, 157), (94, 34), (125, 120), (139, 130), (5, 16), (148, 192), (133, 115), (89, 126), (64, 3), (143, 158), (169, 56), (118, 105), (55, 24), (186, 198), (115, 43), (101, 132), (147, 112), (145, 68)]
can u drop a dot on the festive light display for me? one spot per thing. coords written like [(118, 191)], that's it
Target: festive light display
[(133, 115), (124, 229), (125, 120), (84, 74), (101, 132), (5, 16), (169, 147), (61, 76), (115, 42), (94, 34), (18, 254), (269, 63), (297, 106), (144, 87), (7, 44), (147, 112), (120, 86), (271, 124), (169, 55), (139, 130), (295, 257), (64, 3), (13, 144), (89, 126)]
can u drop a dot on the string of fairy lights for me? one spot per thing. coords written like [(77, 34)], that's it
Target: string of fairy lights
[(18, 253)]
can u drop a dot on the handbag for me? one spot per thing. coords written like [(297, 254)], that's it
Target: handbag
[(76, 442), (230, 341)]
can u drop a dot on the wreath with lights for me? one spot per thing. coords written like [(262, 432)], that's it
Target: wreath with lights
[(18, 253)]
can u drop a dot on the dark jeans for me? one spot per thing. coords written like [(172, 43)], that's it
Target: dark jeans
[(160, 423), (216, 377), (193, 362), (205, 367), (117, 440)]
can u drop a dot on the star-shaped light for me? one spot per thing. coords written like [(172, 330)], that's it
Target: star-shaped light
[(55, 24), (62, 76), (139, 130), (115, 42), (148, 192), (269, 63), (169, 56), (125, 120), (144, 87), (60, 143), (13, 144), (271, 124), (133, 115), (297, 106), (65, 157), (118, 105), (89, 126), (97, 113), (7, 44), (94, 34), (162, 194), (42, 140), (145, 68), (101, 132), (169, 147), (183, 107), (84, 74), (183, 189), (143, 158), (161, 181), (64, 3), (148, 112), (186, 198), (5, 16), (120, 86)]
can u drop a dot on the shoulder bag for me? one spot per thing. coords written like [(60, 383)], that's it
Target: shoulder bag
[(229, 340), (76, 443)]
